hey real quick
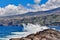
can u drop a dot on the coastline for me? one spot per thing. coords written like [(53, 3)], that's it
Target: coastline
[(48, 34)]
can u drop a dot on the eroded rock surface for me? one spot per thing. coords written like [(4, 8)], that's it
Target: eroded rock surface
[(47, 34)]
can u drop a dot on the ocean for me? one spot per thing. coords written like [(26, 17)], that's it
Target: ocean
[(7, 32)]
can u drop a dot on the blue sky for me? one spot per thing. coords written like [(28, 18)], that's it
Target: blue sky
[(4, 3)]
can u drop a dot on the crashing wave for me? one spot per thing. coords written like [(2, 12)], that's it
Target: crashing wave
[(28, 29), (33, 28)]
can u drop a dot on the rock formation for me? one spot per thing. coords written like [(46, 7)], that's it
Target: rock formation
[(47, 34)]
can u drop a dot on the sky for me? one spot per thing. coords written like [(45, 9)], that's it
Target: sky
[(15, 7), (4, 3)]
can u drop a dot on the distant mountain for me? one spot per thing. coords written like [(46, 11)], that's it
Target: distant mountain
[(50, 17), (47, 34)]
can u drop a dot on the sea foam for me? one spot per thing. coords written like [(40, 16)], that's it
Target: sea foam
[(28, 29)]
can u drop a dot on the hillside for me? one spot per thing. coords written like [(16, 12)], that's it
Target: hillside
[(48, 18)]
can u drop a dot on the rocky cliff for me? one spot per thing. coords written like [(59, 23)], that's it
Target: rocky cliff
[(47, 34), (49, 18)]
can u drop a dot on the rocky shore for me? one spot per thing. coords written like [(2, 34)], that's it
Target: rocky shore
[(48, 34)]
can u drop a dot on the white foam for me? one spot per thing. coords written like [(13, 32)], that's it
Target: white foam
[(33, 28), (28, 29), (17, 36), (4, 38), (20, 33)]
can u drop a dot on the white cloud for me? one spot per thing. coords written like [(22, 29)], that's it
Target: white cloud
[(2, 11), (28, 4), (50, 4), (37, 1), (53, 3), (12, 10)]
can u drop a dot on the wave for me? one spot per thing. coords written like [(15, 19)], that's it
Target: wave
[(33, 28), (4, 38), (27, 29)]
